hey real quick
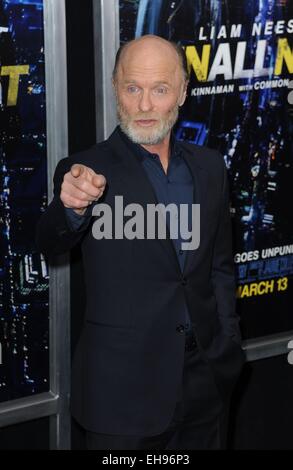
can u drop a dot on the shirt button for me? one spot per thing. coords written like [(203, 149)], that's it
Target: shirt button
[(181, 252), (180, 329), (184, 281)]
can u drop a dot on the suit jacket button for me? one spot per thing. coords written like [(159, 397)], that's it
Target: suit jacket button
[(180, 329), (184, 281)]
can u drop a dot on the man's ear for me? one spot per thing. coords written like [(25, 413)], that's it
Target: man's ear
[(184, 94), (114, 87), (183, 100)]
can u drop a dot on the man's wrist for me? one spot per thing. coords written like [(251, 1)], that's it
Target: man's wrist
[(76, 220), (80, 212)]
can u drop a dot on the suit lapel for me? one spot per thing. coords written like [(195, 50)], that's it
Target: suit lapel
[(200, 185)]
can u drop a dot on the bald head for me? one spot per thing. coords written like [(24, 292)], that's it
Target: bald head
[(152, 49)]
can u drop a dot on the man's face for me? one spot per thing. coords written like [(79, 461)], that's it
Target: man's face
[(149, 89)]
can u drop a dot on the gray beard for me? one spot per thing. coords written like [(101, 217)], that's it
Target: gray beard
[(155, 137)]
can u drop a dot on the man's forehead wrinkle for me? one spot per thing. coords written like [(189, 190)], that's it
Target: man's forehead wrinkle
[(158, 73), (149, 61)]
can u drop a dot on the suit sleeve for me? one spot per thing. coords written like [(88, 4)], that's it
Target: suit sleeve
[(54, 232), (223, 274)]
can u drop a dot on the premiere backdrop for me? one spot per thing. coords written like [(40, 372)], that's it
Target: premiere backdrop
[(24, 309), (240, 56), (241, 62)]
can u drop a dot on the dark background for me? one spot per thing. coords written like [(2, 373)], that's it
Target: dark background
[(261, 411)]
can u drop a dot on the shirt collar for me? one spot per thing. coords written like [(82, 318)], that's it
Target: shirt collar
[(141, 153)]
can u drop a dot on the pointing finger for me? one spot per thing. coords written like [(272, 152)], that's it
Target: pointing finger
[(77, 170), (99, 181)]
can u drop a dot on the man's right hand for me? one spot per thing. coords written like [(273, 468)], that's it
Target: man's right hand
[(81, 186)]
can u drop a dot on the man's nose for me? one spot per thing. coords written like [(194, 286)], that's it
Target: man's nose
[(145, 103)]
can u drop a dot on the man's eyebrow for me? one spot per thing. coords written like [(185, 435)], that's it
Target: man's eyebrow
[(162, 82), (127, 82), (158, 82)]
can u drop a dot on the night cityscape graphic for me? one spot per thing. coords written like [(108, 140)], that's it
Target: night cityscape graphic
[(24, 308)]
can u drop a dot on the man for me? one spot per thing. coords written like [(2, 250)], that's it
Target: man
[(160, 349)]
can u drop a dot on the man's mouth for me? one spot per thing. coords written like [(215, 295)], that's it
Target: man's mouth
[(145, 122)]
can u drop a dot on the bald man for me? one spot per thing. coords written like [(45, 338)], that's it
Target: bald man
[(160, 350)]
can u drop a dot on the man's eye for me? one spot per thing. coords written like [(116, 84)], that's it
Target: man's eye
[(132, 89), (160, 90)]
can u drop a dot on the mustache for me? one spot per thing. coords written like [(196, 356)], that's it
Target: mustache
[(121, 111)]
